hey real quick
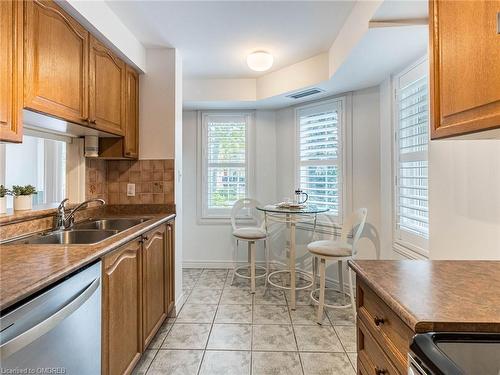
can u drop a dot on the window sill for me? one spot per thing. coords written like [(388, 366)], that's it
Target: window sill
[(409, 251), (36, 212)]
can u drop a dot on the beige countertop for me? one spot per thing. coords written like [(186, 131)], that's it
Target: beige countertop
[(437, 295), (26, 269)]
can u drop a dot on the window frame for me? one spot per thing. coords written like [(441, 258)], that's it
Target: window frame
[(404, 241), (326, 220), (222, 216), (47, 162)]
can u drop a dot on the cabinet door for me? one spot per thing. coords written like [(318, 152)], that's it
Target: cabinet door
[(122, 309), (55, 62), (107, 89), (131, 140), (153, 269), (11, 70), (170, 268), (465, 60)]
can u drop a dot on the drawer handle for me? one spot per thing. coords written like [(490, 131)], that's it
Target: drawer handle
[(378, 321), (380, 371)]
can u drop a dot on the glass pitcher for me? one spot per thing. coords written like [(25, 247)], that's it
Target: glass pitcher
[(300, 197)]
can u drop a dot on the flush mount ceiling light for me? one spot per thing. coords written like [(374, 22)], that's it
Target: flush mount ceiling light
[(260, 61)]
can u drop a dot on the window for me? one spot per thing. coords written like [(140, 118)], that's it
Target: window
[(319, 155), (411, 157), (36, 161), (225, 163)]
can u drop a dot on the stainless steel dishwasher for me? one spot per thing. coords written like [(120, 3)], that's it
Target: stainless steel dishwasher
[(57, 331)]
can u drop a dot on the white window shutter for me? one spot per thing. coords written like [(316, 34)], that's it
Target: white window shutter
[(319, 155), (412, 137), (225, 164)]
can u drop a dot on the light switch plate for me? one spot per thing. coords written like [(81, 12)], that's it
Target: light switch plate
[(130, 190)]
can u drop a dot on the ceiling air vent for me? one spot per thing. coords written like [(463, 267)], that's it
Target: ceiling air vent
[(304, 93)]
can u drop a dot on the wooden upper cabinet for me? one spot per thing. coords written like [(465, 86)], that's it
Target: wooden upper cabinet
[(55, 62), (122, 309), (464, 66), (153, 275), (131, 140), (11, 70), (107, 89)]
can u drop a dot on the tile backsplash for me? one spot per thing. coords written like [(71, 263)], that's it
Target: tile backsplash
[(153, 179)]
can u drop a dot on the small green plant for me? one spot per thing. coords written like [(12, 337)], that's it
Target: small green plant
[(18, 190), (4, 191)]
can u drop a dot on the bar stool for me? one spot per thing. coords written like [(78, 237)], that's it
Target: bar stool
[(339, 251), (250, 234)]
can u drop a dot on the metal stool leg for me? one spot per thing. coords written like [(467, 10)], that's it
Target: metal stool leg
[(341, 279), (266, 254), (251, 250), (322, 280), (235, 259)]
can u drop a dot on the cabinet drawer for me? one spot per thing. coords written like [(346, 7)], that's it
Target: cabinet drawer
[(371, 356), (386, 327)]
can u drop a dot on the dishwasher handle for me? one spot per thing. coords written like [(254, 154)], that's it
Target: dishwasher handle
[(27, 337)]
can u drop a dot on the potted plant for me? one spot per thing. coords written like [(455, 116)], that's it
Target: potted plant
[(23, 197), (3, 199)]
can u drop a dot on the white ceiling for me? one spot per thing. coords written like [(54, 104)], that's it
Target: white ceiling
[(214, 38)]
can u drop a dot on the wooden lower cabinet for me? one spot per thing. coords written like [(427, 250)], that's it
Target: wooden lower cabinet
[(122, 309), (383, 338), (154, 264), (170, 267), (138, 293)]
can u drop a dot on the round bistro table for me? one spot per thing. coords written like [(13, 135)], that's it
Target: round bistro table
[(291, 216)]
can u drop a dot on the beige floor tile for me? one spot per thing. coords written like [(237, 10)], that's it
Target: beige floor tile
[(234, 314), (269, 296), (341, 317), (326, 363), (143, 365), (225, 363), (160, 336), (273, 338), (236, 296), (270, 314), (204, 296), (317, 339), (273, 363), (187, 336), (176, 362), (302, 297), (347, 335), (192, 313), (353, 357), (230, 337), (306, 315)]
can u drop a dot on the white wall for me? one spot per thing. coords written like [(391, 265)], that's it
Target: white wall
[(157, 104), (98, 17), (464, 199), (211, 244)]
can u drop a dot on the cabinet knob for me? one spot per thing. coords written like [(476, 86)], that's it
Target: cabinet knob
[(145, 238), (380, 371), (378, 321), (92, 122)]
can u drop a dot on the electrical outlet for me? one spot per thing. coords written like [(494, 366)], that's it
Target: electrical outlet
[(130, 190)]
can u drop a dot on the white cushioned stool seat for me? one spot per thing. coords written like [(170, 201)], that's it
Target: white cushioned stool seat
[(330, 248), (253, 233)]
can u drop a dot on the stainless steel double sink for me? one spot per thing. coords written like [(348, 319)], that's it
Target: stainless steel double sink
[(86, 232)]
